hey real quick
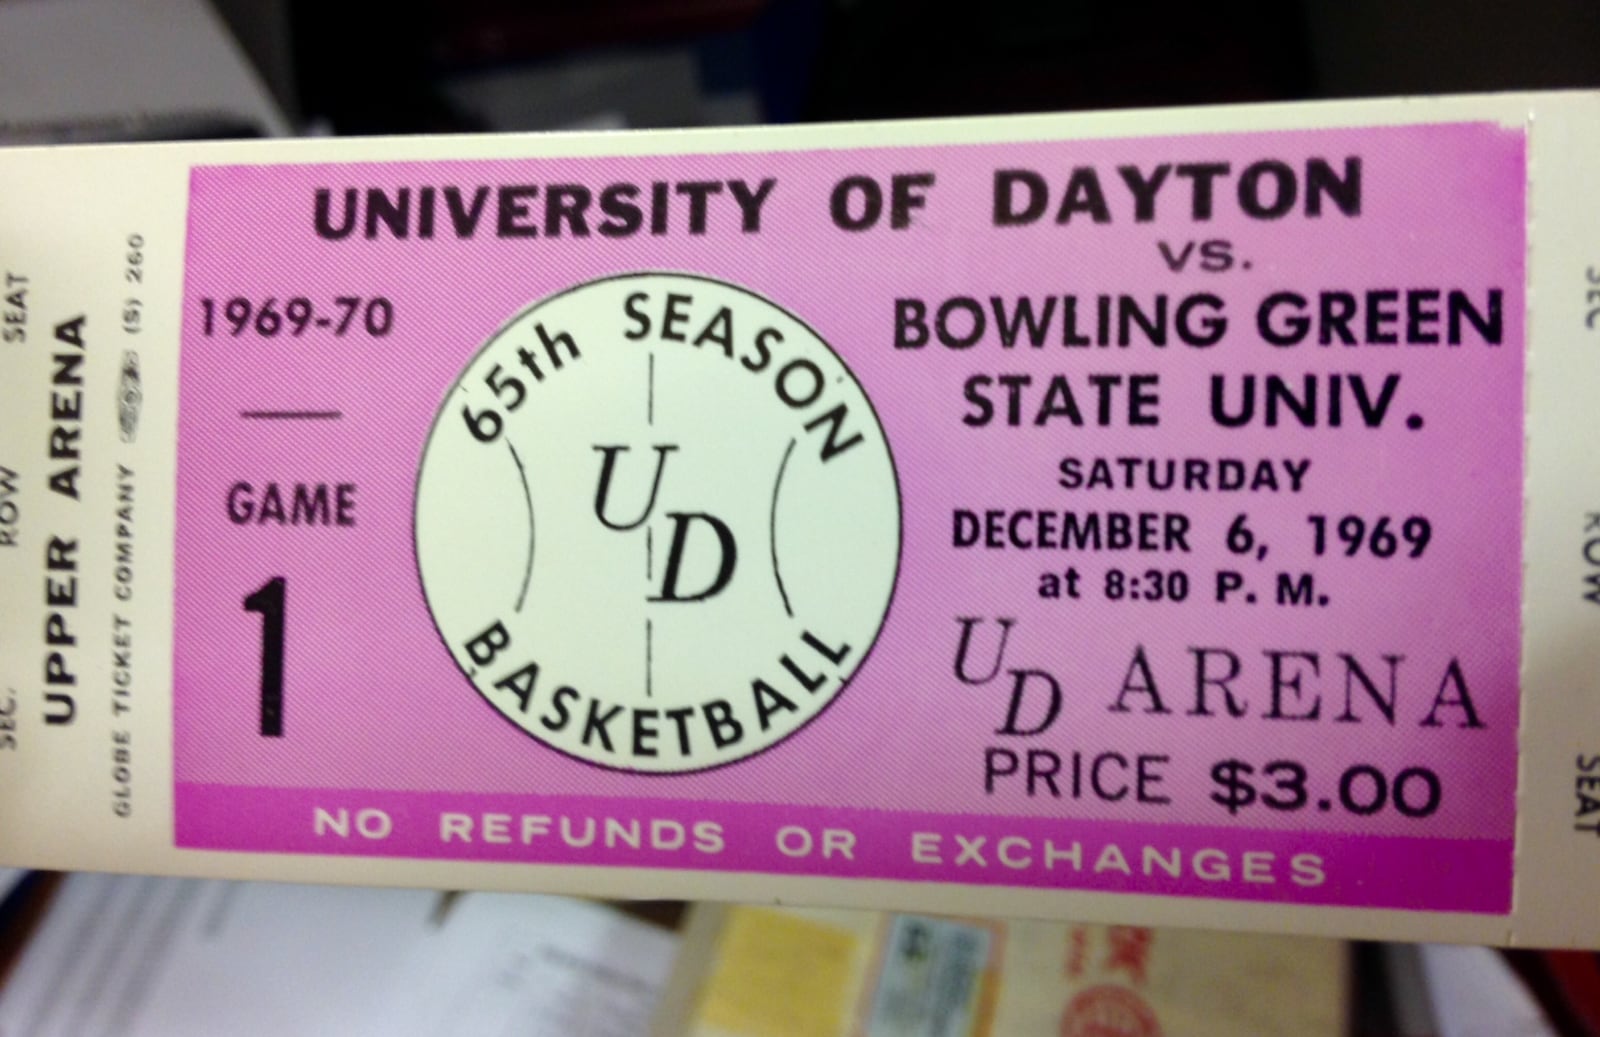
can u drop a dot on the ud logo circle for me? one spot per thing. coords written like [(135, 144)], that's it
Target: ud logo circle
[(657, 523)]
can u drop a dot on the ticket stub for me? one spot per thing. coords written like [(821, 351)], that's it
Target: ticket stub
[(1185, 518)]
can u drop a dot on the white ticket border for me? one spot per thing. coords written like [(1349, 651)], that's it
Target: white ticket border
[(62, 212)]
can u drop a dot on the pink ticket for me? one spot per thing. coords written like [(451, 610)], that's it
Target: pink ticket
[(1177, 517)]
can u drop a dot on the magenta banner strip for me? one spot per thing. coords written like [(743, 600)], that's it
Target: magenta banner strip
[(1467, 875)]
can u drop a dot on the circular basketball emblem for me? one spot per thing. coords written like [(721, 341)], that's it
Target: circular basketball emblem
[(657, 523)]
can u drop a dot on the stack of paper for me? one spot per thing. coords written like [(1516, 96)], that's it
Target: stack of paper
[(140, 956)]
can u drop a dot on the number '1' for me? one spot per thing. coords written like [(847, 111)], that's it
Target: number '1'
[(268, 600)]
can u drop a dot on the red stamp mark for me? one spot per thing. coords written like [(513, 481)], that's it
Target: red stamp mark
[(1108, 1011), (1129, 951)]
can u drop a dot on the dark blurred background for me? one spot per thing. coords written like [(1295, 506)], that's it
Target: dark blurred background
[(500, 64), (77, 70)]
